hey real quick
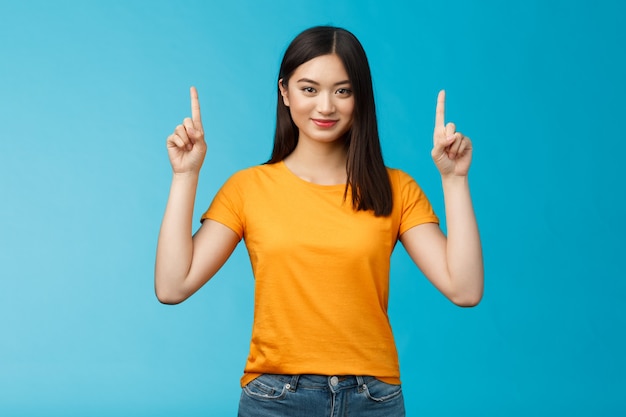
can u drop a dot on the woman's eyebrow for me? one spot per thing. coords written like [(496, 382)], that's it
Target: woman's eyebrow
[(308, 80)]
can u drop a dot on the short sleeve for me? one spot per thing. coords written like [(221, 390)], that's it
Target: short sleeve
[(227, 206), (415, 209)]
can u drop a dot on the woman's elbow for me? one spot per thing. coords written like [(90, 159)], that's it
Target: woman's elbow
[(168, 301), (467, 300), (168, 297)]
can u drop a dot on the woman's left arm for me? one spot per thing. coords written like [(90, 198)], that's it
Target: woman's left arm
[(454, 264)]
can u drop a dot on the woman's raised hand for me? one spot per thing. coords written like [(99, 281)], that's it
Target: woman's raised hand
[(185, 146), (452, 152)]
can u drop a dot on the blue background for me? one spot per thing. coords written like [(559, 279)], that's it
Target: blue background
[(89, 91)]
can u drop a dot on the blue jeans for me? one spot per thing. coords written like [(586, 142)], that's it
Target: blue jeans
[(320, 396)]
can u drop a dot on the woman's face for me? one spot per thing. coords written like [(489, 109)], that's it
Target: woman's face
[(319, 97)]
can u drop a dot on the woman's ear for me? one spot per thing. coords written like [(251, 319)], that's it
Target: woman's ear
[(283, 92)]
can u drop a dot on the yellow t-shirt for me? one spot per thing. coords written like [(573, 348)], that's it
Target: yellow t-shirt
[(321, 271)]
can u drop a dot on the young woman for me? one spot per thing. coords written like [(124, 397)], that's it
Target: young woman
[(320, 220)]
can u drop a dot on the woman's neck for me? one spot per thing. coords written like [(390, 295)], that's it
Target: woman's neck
[(323, 164)]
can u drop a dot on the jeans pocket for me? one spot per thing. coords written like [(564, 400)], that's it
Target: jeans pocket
[(380, 391), (266, 387)]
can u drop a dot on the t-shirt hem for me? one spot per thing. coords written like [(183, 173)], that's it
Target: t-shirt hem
[(222, 221), (423, 220)]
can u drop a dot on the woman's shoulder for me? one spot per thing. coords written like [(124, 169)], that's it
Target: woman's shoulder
[(398, 175), (403, 182), (252, 176), (254, 171)]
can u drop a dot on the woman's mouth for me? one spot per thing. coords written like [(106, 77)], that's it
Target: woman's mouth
[(325, 123)]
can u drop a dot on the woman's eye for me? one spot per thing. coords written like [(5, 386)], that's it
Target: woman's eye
[(309, 90), (344, 91)]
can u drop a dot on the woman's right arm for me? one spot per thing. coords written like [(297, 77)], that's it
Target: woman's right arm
[(184, 262)]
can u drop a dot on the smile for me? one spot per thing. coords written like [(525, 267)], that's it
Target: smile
[(324, 122)]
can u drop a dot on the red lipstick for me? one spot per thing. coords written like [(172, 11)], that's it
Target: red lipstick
[(325, 123)]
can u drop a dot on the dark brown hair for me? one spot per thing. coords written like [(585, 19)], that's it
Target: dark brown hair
[(367, 175)]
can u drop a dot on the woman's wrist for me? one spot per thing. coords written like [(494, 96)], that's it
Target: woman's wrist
[(186, 176), (451, 180)]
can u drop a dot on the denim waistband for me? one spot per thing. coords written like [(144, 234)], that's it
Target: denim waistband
[(333, 382)]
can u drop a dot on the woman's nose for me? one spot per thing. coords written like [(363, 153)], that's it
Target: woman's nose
[(325, 104)]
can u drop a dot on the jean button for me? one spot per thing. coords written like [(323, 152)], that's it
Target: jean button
[(334, 381)]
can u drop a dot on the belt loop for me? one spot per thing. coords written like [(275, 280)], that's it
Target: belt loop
[(361, 383), (293, 384)]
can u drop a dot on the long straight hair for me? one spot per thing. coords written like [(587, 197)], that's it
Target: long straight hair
[(366, 172)]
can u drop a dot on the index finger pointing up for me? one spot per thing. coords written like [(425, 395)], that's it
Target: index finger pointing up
[(440, 113), (195, 106)]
